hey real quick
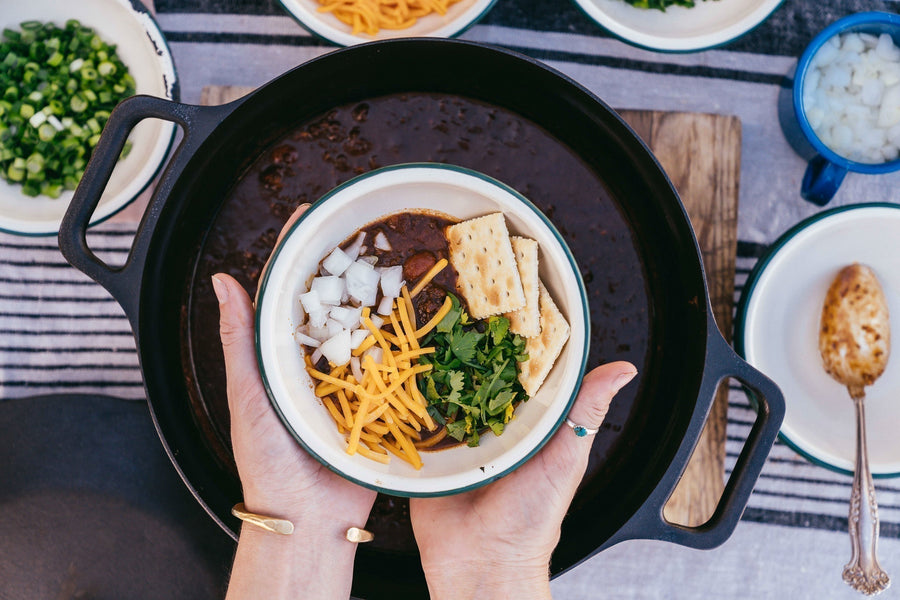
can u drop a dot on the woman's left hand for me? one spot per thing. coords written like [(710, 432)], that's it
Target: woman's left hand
[(280, 479)]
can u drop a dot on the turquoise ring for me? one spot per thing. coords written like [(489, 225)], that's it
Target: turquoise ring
[(580, 430)]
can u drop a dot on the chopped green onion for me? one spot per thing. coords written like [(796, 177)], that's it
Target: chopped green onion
[(47, 132), (58, 88), (16, 169)]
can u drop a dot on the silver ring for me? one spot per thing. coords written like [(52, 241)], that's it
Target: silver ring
[(580, 430)]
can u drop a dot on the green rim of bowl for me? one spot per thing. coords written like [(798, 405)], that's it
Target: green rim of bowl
[(324, 37), (581, 291), (747, 294), (631, 42)]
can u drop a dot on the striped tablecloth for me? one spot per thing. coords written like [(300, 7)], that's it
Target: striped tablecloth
[(60, 332)]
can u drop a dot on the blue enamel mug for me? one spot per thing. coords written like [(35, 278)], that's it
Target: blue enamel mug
[(827, 170)]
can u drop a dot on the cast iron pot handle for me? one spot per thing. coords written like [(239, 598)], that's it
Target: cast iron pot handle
[(721, 362), (124, 282)]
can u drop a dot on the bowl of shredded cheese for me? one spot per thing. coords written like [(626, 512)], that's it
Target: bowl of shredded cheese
[(349, 22), (422, 330)]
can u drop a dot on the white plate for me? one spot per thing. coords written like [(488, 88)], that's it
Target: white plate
[(459, 17), (463, 194), (141, 46), (708, 24), (777, 332)]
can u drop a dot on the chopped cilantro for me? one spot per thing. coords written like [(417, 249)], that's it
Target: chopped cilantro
[(474, 383)]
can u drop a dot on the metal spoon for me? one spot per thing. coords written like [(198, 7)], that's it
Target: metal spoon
[(854, 341)]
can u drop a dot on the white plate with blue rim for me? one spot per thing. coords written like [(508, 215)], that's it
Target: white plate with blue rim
[(142, 47), (777, 330)]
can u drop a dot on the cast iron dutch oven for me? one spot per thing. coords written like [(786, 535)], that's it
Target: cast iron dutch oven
[(448, 101)]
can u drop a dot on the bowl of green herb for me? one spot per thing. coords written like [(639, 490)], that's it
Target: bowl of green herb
[(64, 66), (678, 25)]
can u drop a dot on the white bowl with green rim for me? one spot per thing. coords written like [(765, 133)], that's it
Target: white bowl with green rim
[(777, 332), (459, 17), (461, 194), (708, 24), (141, 45)]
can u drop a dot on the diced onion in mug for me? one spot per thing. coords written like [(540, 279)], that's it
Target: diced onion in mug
[(852, 96)]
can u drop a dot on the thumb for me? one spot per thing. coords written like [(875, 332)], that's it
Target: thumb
[(597, 391), (236, 328), (566, 455)]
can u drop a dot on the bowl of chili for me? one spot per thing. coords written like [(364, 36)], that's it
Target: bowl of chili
[(417, 202)]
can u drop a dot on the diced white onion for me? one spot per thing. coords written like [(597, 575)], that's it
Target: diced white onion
[(386, 305), (316, 319), (306, 340), (376, 321), (316, 355), (362, 283), (353, 249), (319, 332), (311, 301), (337, 262), (347, 317), (330, 289), (337, 349), (355, 368), (333, 327), (381, 242), (357, 337), (376, 354), (852, 96), (368, 260), (392, 281)]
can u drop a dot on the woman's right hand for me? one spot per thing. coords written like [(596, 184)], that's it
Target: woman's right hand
[(497, 540)]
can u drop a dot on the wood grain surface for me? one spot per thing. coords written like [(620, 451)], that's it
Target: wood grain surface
[(701, 154)]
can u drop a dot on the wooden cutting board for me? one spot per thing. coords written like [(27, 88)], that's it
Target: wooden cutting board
[(701, 154)]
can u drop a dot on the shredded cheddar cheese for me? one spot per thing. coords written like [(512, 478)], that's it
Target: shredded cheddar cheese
[(384, 413), (368, 16)]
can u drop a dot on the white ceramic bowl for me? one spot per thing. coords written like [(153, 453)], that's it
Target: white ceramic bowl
[(142, 47), (459, 17), (708, 24), (462, 194), (778, 324)]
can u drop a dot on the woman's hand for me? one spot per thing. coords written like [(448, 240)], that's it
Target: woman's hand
[(281, 480), (496, 541)]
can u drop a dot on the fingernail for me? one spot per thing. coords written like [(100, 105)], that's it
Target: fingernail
[(622, 379), (221, 289)]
